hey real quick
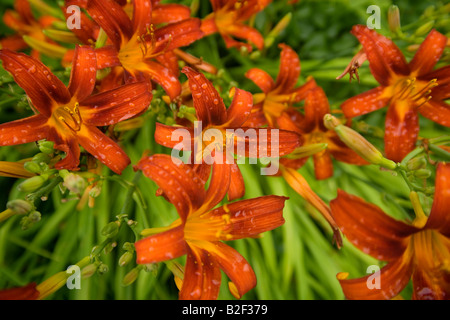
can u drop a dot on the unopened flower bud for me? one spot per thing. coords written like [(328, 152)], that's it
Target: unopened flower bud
[(394, 18), (19, 206), (424, 29), (102, 268), (281, 25), (307, 150), (109, 247), (32, 167), (416, 163), (32, 184), (125, 258), (29, 220), (110, 230), (131, 276), (89, 270), (422, 173), (95, 191), (46, 147), (41, 158), (358, 143), (74, 183)]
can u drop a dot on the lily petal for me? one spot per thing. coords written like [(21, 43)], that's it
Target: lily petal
[(369, 228), (27, 292), (167, 136), (202, 276), (261, 78), (104, 109), (182, 187), (170, 12), (401, 130), (142, 16), (242, 31), (289, 70), (437, 111), (67, 144), (42, 87), (384, 56), (237, 185), (323, 165), (365, 102), (112, 19), (26, 130), (84, 71), (161, 75), (393, 278), (207, 101), (428, 53), (103, 148), (162, 246), (239, 109), (439, 218)]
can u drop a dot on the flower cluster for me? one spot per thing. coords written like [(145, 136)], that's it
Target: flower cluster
[(128, 60)]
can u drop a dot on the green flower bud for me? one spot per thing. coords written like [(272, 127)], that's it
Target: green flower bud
[(20, 206), (102, 269), (32, 167), (29, 220), (89, 270), (126, 258), (46, 147), (131, 276), (416, 163), (32, 184), (424, 29), (41, 157), (394, 18), (422, 173), (110, 230), (74, 183)]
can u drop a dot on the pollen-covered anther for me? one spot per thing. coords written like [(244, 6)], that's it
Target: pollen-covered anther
[(71, 117)]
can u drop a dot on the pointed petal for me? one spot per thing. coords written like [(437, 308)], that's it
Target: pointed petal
[(234, 265), (261, 78), (14, 43), (365, 102), (429, 53), (439, 217), (289, 69), (116, 105), (218, 186), (183, 188), (170, 12), (401, 130), (207, 101), (112, 19), (316, 107), (384, 56), (107, 57), (239, 109), (179, 34), (21, 131), (174, 137), (68, 144), (442, 76), (237, 185), (84, 71), (42, 87), (323, 165), (437, 111), (251, 217), (253, 36), (430, 286), (161, 75), (162, 246), (103, 148), (202, 276), (369, 228), (393, 278), (142, 16)]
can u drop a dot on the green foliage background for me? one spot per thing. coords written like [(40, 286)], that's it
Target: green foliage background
[(295, 261)]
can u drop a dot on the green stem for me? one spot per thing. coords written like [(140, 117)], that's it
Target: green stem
[(440, 152), (45, 191)]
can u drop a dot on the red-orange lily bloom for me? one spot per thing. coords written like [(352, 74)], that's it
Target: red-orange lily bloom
[(280, 94), (406, 88), (228, 19), (200, 230), (23, 22), (212, 114), (139, 48), (313, 131), (69, 116), (422, 253)]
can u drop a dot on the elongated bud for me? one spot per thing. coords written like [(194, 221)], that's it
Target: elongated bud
[(306, 151), (358, 143), (131, 276), (32, 184), (110, 230), (51, 50), (416, 163), (61, 36), (422, 173), (20, 206), (46, 147), (125, 258), (28, 221), (89, 270), (394, 18), (32, 167), (281, 25), (41, 158), (425, 28)]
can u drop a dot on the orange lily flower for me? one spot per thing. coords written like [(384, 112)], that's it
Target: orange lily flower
[(228, 19), (212, 114), (313, 131), (23, 22), (139, 49), (406, 88), (200, 230), (280, 94), (69, 116), (417, 250), (28, 292)]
